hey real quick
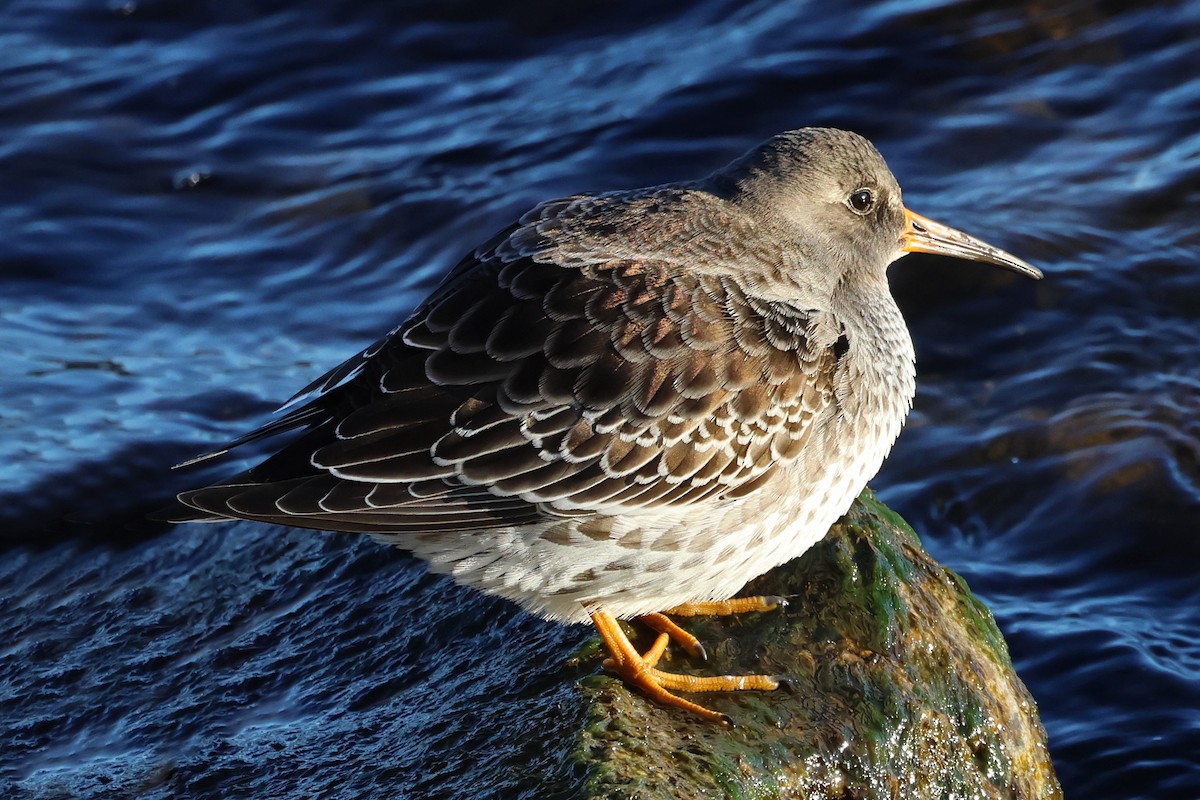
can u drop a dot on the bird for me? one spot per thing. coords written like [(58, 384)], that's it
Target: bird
[(626, 405)]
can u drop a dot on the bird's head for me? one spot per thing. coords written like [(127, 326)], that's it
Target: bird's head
[(830, 196)]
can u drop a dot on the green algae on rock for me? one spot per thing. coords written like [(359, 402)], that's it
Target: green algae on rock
[(903, 689)]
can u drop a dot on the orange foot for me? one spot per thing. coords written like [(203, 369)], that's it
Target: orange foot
[(639, 670)]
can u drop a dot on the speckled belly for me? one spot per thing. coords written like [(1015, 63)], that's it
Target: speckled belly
[(649, 562)]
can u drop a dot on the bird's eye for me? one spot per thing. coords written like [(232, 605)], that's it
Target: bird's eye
[(861, 201)]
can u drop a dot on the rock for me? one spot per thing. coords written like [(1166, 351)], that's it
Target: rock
[(903, 689)]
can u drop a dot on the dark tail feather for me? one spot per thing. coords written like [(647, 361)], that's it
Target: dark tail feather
[(306, 416), (178, 512)]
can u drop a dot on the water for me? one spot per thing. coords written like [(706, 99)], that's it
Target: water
[(204, 205)]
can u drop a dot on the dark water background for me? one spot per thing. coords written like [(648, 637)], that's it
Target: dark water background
[(202, 205)]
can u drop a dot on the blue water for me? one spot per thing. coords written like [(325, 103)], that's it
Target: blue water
[(204, 205)]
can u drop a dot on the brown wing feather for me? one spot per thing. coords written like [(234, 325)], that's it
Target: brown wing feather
[(540, 380)]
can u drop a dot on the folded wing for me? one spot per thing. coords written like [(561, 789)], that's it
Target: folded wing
[(546, 379)]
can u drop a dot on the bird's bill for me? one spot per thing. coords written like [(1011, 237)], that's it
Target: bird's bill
[(923, 235)]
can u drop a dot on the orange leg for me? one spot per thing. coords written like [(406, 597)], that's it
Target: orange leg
[(721, 608), (650, 657), (663, 624), (639, 670), (738, 605)]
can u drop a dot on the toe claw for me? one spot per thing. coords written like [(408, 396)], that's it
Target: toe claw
[(787, 683), (727, 721)]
